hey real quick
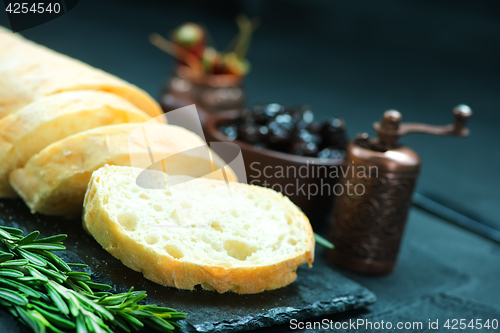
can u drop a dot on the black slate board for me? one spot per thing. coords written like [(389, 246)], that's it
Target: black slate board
[(317, 292)]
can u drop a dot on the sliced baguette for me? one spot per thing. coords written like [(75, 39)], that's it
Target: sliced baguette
[(235, 237), (49, 119), (29, 71), (54, 181)]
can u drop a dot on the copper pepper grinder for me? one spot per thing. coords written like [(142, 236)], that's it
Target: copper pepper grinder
[(370, 215)]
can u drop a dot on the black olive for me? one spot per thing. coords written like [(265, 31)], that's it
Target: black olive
[(250, 133), (295, 113), (266, 112), (263, 131), (286, 121), (331, 153), (302, 116), (303, 148), (307, 136), (291, 130), (314, 128), (247, 116), (333, 133), (274, 109), (230, 131), (278, 136)]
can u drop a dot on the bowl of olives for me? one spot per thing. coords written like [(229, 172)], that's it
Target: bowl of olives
[(286, 149)]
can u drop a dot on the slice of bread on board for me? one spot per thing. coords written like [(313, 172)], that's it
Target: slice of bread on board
[(54, 181), (221, 236), (49, 119)]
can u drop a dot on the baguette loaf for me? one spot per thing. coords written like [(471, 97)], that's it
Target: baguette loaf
[(54, 181), (49, 119), (223, 237), (29, 71)]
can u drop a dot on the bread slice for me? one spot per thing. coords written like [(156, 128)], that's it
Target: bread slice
[(49, 119), (29, 71), (223, 237), (54, 181)]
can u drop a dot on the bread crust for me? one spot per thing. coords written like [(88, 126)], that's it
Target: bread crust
[(168, 271), (54, 181), (49, 119), (29, 71)]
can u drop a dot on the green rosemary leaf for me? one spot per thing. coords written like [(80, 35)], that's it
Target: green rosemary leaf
[(138, 298), (41, 289), (93, 324), (43, 246), (136, 324), (13, 231), (55, 329), (80, 325), (7, 272), (100, 322), (78, 276), (21, 287), (59, 277), (100, 286), (84, 286), (158, 309), (74, 305), (56, 319), (32, 258), (167, 315), (57, 261), (323, 242), (51, 266), (14, 263), (44, 304), (90, 324), (112, 300), (176, 325), (37, 315), (156, 326), (57, 299), (30, 280), (96, 307), (52, 239), (141, 313), (158, 322), (121, 324), (36, 274), (177, 316), (13, 297), (124, 305), (100, 295), (29, 238), (29, 320), (4, 256), (137, 293), (5, 234), (74, 286), (4, 303)]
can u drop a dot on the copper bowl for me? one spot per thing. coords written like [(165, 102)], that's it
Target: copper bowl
[(308, 181), (211, 93)]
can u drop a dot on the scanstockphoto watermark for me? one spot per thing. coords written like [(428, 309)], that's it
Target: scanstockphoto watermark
[(357, 324), (294, 175), (153, 163)]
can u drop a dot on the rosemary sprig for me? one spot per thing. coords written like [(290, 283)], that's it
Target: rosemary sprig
[(43, 292), (323, 242)]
